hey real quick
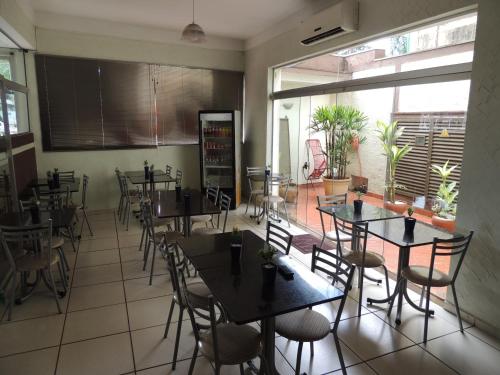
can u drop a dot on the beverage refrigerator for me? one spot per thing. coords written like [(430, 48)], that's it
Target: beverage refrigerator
[(220, 156)]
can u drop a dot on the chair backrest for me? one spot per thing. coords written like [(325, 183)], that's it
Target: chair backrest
[(178, 177), (37, 237), (281, 182), (254, 171), (319, 158), (52, 200), (213, 193), (124, 186), (329, 201), (278, 237), (147, 216), (358, 233), (85, 185), (224, 205), (174, 270), (168, 170), (338, 269), (67, 176), (447, 248)]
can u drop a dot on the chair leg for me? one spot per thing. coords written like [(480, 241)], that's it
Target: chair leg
[(386, 281), (422, 295), (339, 353), (142, 237), (53, 285), (311, 344), (242, 370), (193, 359), (393, 299), (87, 221), (62, 256), (457, 307), (62, 275), (248, 203), (286, 214), (322, 240), (427, 303), (152, 264), (360, 287), (177, 337), (167, 326), (128, 213), (299, 358), (146, 255)]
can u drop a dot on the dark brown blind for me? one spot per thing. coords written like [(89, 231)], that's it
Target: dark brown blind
[(94, 104)]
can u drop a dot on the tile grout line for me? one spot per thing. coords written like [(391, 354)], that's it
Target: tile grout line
[(125, 296), (67, 306)]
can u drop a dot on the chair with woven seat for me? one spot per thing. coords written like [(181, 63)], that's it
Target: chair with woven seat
[(197, 292), (279, 238), (212, 195), (429, 277), (358, 254), (310, 326), (36, 255), (224, 204), (255, 190), (332, 201)]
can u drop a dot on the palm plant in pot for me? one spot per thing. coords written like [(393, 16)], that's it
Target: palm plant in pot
[(388, 135), (342, 127), (444, 207), (268, 267)]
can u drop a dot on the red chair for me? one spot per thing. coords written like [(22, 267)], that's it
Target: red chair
[(314, 145)]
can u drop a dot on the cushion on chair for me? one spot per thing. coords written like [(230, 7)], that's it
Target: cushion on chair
[(198, 294), (172, 237), (201, 218), (273, 199), (34, 262), (420, 275), (207, 231), (157, 222), (343, 237), (303, 325), (235, 343), (372, 260)]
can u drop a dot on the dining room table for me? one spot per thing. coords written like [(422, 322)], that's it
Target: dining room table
[(181, 206), (239, 287), (265, 178), (139, 178), (41, 186), (393, 232)]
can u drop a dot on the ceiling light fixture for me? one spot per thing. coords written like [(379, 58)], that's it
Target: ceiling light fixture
[(193, 32)]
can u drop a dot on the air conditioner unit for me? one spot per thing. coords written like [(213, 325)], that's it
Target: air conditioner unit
[(330, 23)]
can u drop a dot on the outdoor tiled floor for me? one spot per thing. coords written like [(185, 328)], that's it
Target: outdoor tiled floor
[(305, 213), (113, 323)]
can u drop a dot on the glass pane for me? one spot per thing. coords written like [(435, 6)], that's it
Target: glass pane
[(12, 65)]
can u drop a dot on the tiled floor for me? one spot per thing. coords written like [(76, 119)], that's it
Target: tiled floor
[(113, 323)]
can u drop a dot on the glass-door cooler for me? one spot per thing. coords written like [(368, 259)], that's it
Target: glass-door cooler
[(220, 134)]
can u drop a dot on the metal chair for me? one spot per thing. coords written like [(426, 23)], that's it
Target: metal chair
[(197, 295), (128, 201), (279, 238), (224, 204), (254, 190), (153, 238), (332, 201), (429, 277), (270, 200), (67, 176), (358, 255), (212, 194), (178, 177), (83, 205), (37, 257), (309, 325), (168, 172)]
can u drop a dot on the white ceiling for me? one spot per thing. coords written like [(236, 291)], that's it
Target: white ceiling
[(240, 19)]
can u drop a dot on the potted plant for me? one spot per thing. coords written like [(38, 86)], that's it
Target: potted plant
[(445, 207), (268, 267), (358, 203), (410, 221), (388, 135), (341, 126), (146, 170)]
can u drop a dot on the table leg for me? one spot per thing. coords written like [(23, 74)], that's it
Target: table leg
[(398, 277), (187, 226), (27, 288), (268, 347)]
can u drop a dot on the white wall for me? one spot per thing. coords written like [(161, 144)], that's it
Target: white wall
[(100, 165)]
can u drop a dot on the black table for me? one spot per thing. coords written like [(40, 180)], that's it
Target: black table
[(393, 231), (368, 213), (42, 187), (239, 288), (166, 205), (138, 178)]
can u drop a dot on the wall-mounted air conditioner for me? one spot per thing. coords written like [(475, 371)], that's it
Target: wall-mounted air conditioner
[(330, 23)]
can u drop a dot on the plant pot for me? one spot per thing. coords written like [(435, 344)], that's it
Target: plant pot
[(409, 224), (146, 173), (444, 223), (268, 273), (291, 195), (336, 187), (235, 252), (358, 206), (398, 206)]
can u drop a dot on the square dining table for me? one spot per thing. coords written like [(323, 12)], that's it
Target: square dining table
[(41, 185), (138, 178), (368, 213), (393, 231), (166, 204), (239, 286)]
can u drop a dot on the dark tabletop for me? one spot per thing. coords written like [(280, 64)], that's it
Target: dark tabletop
[(165, 204), (393, 231), (41, 185), (262, 177), (137, 177), (60, 218), (239, 288), (368, 213)]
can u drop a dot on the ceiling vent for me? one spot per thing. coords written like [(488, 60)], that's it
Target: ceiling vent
[(330, 23)]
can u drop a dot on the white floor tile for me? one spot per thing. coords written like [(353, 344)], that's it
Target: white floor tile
[(98, 244), (151, 312), (97, 258), (136, 289), (86, 297), (97, 274), (38, 362)]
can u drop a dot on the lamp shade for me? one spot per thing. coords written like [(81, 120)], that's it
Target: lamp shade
[(194, 33)]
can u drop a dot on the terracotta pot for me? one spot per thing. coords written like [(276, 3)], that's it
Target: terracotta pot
[(441, 222), (291, 195), (398, 206), (336, 187)]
